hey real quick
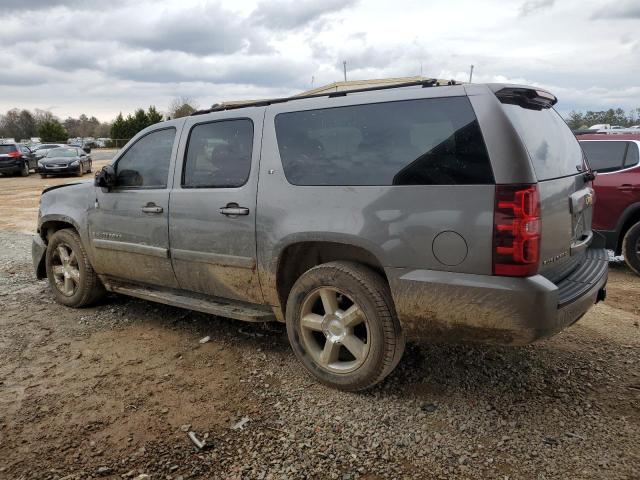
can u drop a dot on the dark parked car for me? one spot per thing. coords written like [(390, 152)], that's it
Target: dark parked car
[(65, 160), (617, 185), (16, 159)]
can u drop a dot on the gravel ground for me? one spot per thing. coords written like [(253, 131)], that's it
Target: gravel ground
[(111, 391)]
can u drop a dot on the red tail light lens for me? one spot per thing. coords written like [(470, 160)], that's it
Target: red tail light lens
[(516, 230), (15, 154)]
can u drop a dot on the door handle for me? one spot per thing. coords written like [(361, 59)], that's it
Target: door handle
[(627, 187), (233, 209), (152, 208)]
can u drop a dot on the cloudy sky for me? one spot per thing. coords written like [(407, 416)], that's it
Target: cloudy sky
[(101, 57)]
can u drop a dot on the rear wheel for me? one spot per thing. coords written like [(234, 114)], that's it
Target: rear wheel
[(25, 170), (71, 276), (631, 248), (342, 325)]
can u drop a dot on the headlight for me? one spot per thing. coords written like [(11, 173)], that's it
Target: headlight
[(40, 163), (75, 163)]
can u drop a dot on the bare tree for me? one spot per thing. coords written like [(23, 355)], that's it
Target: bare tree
[(182, 107)]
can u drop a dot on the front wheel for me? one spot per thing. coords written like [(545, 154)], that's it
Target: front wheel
[(342, 325), (71, 276), (631, 248), (80, 170)]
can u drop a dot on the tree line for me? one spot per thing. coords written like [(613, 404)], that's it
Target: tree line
[(582, 120), (23, 124)]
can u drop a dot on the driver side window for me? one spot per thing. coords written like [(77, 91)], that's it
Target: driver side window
[(146, 163)]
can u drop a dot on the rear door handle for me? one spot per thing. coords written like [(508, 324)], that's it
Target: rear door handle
[(152, 208), (233, 209)]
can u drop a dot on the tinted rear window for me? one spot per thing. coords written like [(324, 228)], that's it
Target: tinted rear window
[(604, 156), (415, 142), (552, 147), (4, 149)]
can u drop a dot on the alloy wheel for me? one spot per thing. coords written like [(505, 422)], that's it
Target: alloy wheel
[(334, 330), (66, 273)]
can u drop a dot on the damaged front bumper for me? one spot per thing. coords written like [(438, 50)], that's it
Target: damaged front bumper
[(38, 252)]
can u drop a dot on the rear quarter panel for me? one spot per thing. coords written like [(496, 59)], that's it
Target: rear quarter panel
[(396, 224)]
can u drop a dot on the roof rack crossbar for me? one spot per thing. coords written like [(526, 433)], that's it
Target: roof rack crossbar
[(430, 82)]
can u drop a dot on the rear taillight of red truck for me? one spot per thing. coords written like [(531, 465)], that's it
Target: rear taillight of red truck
[(516, 230)]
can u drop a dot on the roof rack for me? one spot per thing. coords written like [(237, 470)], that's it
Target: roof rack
[(430, 82)]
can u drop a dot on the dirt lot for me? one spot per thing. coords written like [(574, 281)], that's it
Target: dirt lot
[(19, 196), (108, 392)]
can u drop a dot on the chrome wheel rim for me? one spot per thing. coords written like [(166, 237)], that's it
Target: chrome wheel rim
[(66, 273), (334, 330)]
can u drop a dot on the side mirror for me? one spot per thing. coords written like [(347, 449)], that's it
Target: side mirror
[(106, 177)]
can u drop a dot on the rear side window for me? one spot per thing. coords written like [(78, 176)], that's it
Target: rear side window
[(552, 147), (416, 142), (632, 155), (605, 156), (4, 149), (146, 163), (218, 154)]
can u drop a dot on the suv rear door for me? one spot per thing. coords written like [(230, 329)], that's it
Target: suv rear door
[(212, 221), (565, 198)]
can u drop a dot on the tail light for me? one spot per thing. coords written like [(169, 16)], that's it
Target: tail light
[(516, 230), (15, 154)]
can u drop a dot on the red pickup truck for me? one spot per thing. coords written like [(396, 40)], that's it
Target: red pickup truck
[(616, 215)]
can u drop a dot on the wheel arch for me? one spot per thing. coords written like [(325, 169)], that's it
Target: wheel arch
[(629, 217), (296, 258)]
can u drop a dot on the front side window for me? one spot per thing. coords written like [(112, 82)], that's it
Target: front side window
[(218, 154), (604, 156), (146, 163), (414, 142)]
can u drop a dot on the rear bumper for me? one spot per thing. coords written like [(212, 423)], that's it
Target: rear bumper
[(447, 306), (13, 166)]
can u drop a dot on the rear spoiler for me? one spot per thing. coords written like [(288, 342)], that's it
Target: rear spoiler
[(531, 98)]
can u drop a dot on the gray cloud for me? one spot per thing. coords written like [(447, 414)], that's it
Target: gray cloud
[(291, 14), (32, 5), (532, 6), (618, 10)]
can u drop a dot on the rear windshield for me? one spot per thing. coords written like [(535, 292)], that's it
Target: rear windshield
[(4, 149), (553, 148)]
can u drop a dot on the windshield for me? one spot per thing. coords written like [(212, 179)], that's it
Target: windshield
[(552, 147), (63, 152)]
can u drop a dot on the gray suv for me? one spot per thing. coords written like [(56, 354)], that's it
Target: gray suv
[(436, 212)]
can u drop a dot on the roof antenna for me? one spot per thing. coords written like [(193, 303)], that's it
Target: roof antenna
[(344, 67), (470, 73)]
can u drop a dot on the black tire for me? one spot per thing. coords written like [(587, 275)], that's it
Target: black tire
[(90, 167), (80, 170), (89, 288), (371, 293), (24, 172), (631, 248)]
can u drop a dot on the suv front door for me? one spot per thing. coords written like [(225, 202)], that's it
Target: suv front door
[(129, 224), (213, 206)]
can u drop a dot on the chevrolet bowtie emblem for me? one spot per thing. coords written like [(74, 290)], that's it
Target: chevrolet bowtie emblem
[(588, 199)]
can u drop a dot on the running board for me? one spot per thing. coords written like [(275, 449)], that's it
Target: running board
[(238, 310)]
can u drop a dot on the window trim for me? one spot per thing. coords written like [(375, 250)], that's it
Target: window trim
[(624, 158), (115, 164), (186, 152), (466, 97)]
